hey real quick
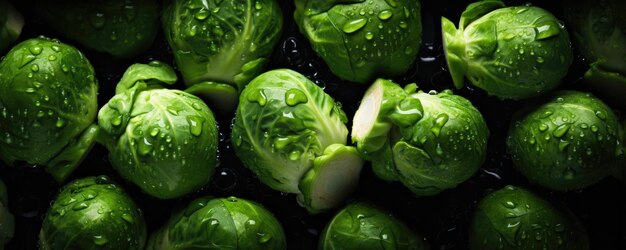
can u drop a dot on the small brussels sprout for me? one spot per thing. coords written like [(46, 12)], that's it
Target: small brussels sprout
[(292, 135), (511, 53), (428, 141), (93, 213), (121, 28), (514, 218), (360, 40), (162, 140), (361, 226), (220, 223), (219, 46), (48, 104), (599, 31), (7, 222), (569, 142), (11, 23)]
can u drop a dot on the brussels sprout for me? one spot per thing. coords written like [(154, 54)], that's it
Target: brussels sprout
[(93, 213), (122, 28), (11, 23), (7, 222), (569, 142), (360, 39), (48, 104), (599, 31), (361, 226), (162, 140), (511, 53), (219, 46), (513, 218), (220, 223), (292, 135), (428, 141)]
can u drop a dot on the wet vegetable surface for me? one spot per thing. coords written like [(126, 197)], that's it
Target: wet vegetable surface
[(442, 219)]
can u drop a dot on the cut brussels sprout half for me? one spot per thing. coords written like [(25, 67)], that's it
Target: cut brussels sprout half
[(514, 218), (11, 23), (283, 123), (332, 179), (48, 99), (511, 53), (164, 141)]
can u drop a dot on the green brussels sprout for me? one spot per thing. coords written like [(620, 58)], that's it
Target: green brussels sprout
[(292, 135), (48, 104), (7, 222), (121, 28), (569, 142), (361, 226), (11, 23), (220, 223), (599, 31), (511, 53), (164, 141), (359, 39), (93, 213), (514, 218), (219, 46), (428, 141)]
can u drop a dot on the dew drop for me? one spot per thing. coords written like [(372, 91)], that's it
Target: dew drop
[(354, 25)]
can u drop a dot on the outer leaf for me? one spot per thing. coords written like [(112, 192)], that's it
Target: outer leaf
[(122, 28), (513, 218), (48, 99), (217, 223), (380, 38), (283, 122), (93, 213)]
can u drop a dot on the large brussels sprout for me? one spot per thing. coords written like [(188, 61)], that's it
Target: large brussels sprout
[(361, 40), (7, 222), (511, 53), (122, 28), (514, 218), (569, 142), (428, 141), (219, 46), (292, 135), (164, 141), (361, 226), (599, 31), (11, 23), (220, 223), (48, 104), (93, 213)]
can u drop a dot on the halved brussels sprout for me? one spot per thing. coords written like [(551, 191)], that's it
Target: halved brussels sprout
[(428, 141), (514, 218), (361, 226), (7, 221), (361, 40), (11, 23), (569, 142), (122, 28), (219, 46), (162, 140), (48, 104), (286, 126), (220, 223), (93, 213), (511, 53)]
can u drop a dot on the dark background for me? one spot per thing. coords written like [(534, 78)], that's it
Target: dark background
[(441, 219)]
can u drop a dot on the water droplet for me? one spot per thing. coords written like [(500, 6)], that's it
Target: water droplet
[(257, 96), (116, 120), (60, 122), (369, 35), (29, 90), (509, 204), (403, 25), (391, 3), (294, 97), (265, 238), (385, 14), (559, 228), (100, 240), (154, 132), (563, 145), (195, 124), (128, 218), (80, 206), (601, 115), (594, 128), (560, 131), (145, 147), (546, 30), (294, 155), (543, 127), (202, 14), (438, 124), (568, 174), (538, 236), (98, 20), (258, 5), (52, 58), (34, 68), (35, 50), (354, 25)]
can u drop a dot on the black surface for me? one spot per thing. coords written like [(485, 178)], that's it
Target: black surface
[(442, 219)]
